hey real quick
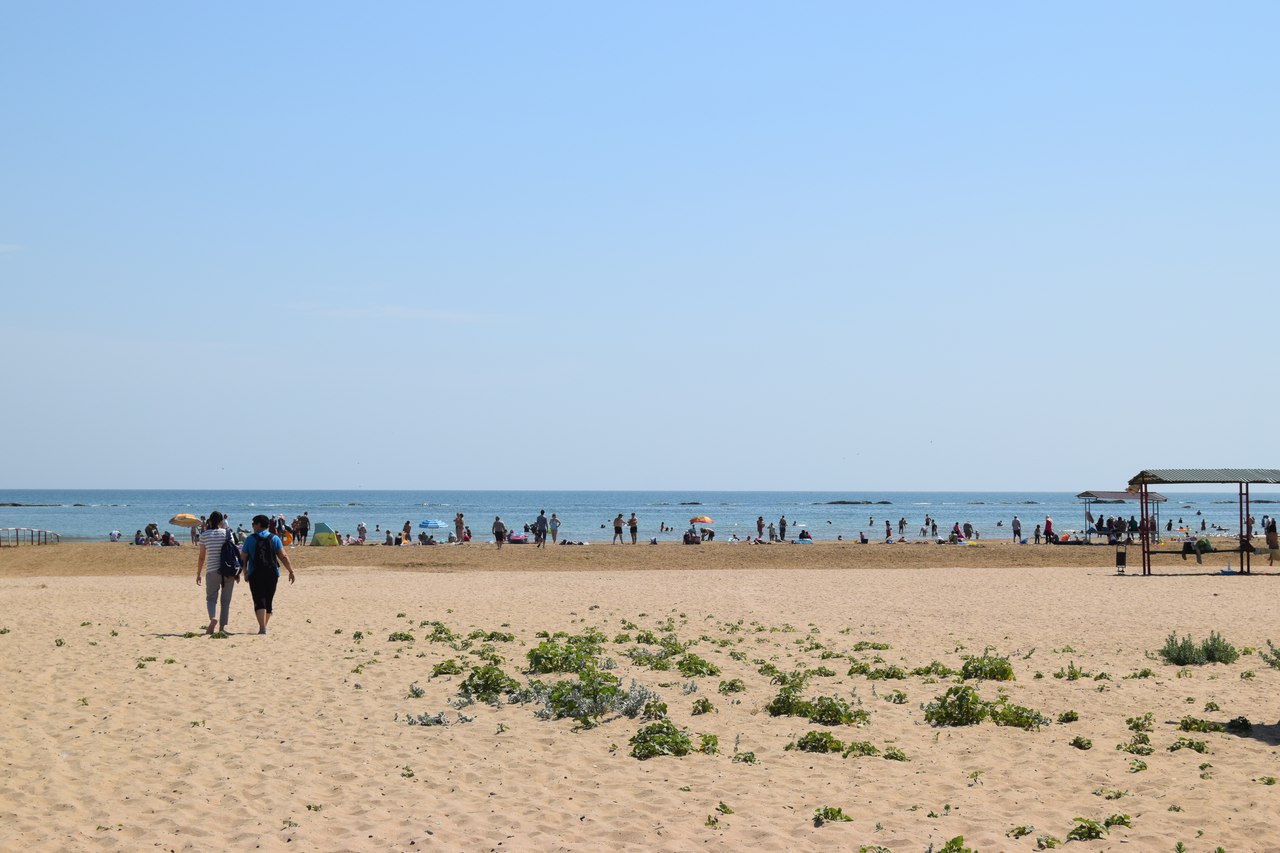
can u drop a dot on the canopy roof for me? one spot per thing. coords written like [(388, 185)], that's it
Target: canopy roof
[(1269, 476), (1118, 496)]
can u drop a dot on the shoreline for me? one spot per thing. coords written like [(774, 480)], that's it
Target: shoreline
[(120, 559)]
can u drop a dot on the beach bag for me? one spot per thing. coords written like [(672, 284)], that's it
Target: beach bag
[(229, 559)]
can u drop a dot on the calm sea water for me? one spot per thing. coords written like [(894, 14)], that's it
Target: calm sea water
[(587, 516)]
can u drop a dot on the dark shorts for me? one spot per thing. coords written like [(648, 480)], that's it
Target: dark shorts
[(499, 537), (263, 587), (617, 531)]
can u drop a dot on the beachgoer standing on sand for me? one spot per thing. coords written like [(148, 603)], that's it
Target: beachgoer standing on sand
[(361, 531), (499, 532), (1017, 529), (1048, 529), (540, 530), (1037, 534), (209, 565), (760, 527), (773, 533), (304, 527), (262, 554), (888, 530), (458, 525), (1273, 541), (782, 528), (617, 530), (554, 525), (633, 524)]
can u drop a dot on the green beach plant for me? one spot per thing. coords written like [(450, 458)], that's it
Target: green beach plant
[(1086, 830), (486, 683), (860, 749), (987, 667), (446, 667), (816, 741), (934, 669), (1195, 724), (550, 656), (1191, 744), (660, 738), (1239, 726), (654, 710), (1218, 650), (586, 699), (956, 845), (1005, 713), (959, 706), (827, 814), (691, 666), (834, 711)]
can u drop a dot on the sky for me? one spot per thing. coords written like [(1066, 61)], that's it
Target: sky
[(839, 246)]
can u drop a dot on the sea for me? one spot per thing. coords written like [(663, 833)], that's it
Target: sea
[(91, 514)]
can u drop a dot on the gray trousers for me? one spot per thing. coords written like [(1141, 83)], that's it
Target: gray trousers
[(215, 586)]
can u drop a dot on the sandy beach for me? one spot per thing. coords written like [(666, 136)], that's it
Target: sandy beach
[(120, 732)]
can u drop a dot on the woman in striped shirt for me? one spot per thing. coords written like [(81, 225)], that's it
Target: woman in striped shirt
[(209, 565)]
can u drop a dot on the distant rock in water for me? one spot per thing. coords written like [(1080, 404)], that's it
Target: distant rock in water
[(855, 503), (30, 505), (690, 503)]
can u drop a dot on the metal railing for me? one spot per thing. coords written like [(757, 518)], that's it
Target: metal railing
[(14, 536)]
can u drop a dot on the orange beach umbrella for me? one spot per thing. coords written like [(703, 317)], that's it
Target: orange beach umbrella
[(701, 519)]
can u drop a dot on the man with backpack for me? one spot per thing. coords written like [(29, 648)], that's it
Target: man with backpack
[(262, 553)]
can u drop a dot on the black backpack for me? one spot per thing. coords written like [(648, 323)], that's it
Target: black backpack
[(264, 554), (229, 565)]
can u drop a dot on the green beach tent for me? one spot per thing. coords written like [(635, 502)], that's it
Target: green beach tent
[(323, 535)]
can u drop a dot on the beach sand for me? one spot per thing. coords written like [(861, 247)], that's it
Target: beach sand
[(127, 735)]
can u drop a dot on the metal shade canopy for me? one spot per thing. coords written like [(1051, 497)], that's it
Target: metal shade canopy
[(1155, 476)]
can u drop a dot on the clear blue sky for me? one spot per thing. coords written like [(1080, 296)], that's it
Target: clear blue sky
[(668, 245)]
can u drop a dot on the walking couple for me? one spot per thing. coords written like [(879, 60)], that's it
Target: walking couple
[(260, 557)]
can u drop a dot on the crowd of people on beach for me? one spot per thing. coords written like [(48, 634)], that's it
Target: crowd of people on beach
[(626, 530)]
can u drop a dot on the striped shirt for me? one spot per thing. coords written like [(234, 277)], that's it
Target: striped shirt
[(212, 541)]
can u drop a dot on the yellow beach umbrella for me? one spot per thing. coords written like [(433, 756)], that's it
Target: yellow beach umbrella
[(701, 519), (185, 519)]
